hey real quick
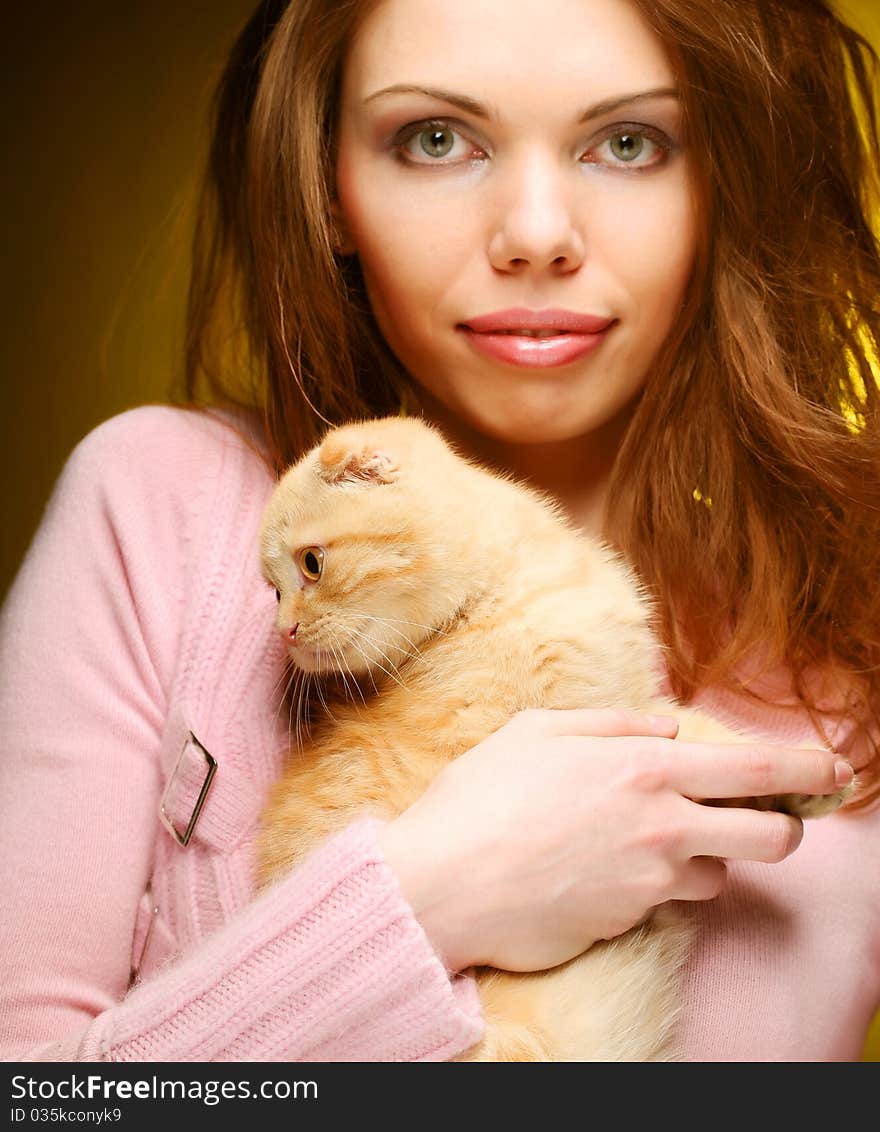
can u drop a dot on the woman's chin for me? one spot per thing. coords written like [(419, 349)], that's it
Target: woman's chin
[(531, 425)]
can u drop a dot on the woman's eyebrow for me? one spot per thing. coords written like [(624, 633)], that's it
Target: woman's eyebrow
[(471, 106), (460, 100), (609, 105)]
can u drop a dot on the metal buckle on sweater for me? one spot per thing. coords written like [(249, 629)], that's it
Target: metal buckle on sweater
[(187, 789)]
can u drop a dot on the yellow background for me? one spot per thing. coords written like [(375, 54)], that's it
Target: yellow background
[(105, 105)]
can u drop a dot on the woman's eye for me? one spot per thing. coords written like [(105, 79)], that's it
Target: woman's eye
[(311, 562), (628, 147), (633, 148), (427, 143)]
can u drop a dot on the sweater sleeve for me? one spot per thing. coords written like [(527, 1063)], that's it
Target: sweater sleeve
[(328, 964)]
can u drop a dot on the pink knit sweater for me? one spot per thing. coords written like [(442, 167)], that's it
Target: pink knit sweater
[(139, 616)]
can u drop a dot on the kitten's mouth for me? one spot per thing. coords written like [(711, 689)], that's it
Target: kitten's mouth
[(307, 657), (316, 661)]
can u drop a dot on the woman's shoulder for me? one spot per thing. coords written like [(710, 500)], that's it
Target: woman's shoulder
[(167, 459), (164, 487), (161, 439)]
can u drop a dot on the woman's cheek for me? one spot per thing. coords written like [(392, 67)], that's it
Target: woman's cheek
[(415, 264)]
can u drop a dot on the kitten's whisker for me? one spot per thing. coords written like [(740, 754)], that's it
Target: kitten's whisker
[(368, 664), (338, 669), (395, 675), (295, 700), (352, 675), (399, 621), (402, 621), (290, 720), (338, 664), (298, 697), (366, 636), (290, 674), (413, 646), (337, 658), (302, 710), (324, 703)]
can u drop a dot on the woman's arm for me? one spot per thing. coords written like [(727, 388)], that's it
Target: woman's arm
[(326, 965)]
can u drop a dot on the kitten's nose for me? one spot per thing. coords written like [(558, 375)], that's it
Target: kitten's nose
[(290, 634)]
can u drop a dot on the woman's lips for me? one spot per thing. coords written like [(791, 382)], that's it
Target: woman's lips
[(566, 336), (523, 350)]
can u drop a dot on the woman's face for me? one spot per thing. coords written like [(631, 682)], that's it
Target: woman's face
[(518, 159)]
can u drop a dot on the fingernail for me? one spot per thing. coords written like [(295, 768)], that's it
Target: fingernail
[(843, 773)]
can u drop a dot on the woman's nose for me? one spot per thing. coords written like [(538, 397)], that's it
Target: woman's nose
[(536, 226)]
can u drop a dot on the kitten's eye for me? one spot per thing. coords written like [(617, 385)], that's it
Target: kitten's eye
[(278, 595), (311, 562)]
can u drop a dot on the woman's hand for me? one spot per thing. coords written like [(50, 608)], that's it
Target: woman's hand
[(566, 827)]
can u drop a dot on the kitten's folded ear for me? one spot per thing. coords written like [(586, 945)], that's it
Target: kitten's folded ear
[(348, 457)]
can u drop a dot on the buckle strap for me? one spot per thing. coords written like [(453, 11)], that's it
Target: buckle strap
[(184, 793), (206, 797)]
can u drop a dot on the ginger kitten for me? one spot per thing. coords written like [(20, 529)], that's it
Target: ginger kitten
[(425, 600)]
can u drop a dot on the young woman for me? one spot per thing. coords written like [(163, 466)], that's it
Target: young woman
[(628, 258)]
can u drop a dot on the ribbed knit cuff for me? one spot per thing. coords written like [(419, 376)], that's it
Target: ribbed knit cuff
[(328, 964)]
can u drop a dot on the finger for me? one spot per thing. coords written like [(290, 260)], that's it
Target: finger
[(701, 879), (748, 769), (607, 722), (741, 834)]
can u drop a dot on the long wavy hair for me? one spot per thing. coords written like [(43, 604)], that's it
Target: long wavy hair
[(747, 490)]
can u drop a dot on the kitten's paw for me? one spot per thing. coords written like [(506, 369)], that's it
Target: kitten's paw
[(811, 805), (801, 805)]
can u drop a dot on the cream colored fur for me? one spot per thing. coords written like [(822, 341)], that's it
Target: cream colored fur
[(452, 598)]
